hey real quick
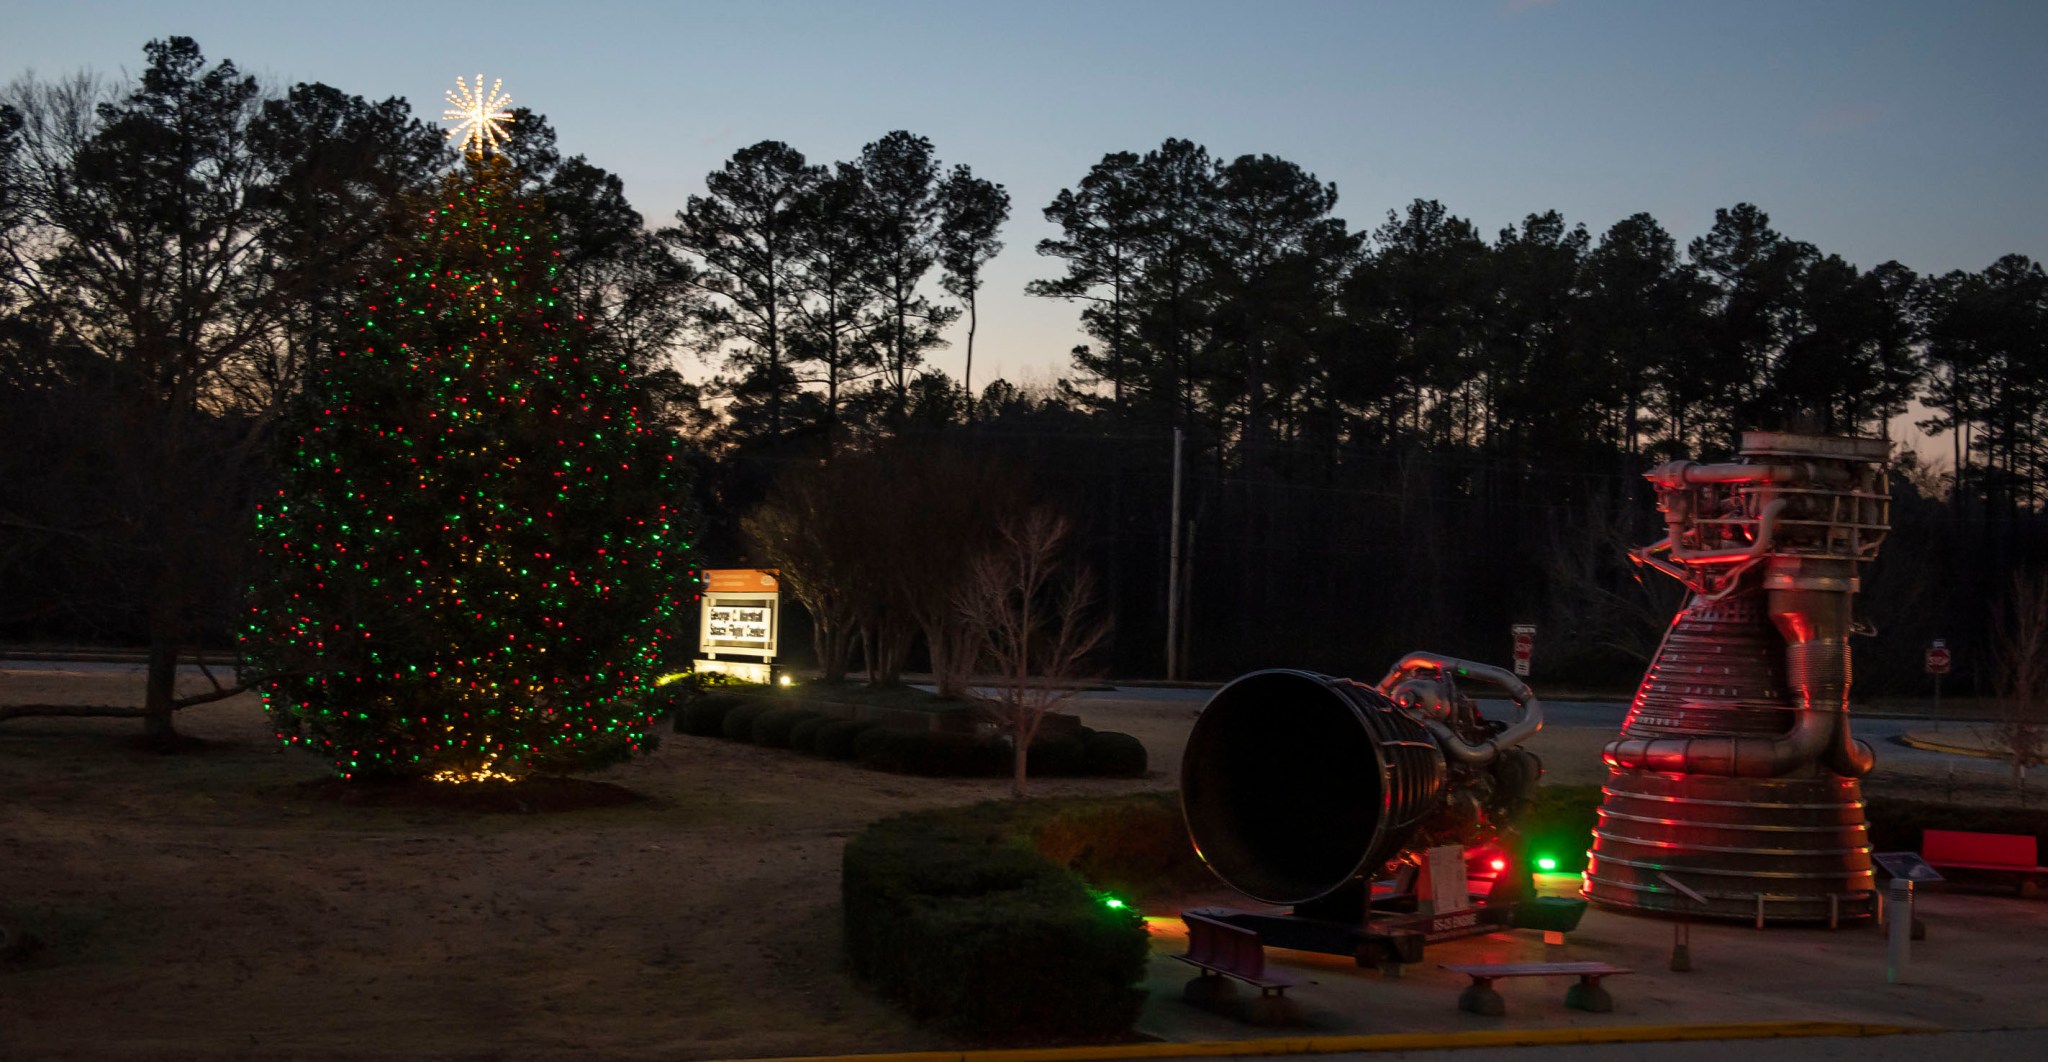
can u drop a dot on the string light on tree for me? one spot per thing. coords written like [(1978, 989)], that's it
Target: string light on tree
[(474, 564), (480, 120)]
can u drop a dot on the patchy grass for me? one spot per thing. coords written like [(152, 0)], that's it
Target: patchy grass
[(230, 908)]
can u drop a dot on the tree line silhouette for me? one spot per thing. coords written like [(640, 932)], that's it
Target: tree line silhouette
[(1397, 437)]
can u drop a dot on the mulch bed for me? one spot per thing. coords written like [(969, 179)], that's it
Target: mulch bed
[(530, 796)]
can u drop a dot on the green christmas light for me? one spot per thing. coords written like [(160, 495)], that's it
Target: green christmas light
[(432, 603)]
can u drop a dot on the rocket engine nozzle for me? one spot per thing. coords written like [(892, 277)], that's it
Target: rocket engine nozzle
[(1295, 784)]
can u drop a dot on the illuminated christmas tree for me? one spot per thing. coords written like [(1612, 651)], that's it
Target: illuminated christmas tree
[(472, 567)]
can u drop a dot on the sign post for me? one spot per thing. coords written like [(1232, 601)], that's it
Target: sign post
[(740, 623), (1938, 661), (1525, 646)]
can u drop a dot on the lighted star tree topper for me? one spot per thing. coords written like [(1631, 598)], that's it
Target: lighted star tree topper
[(480, 120), (476, 564)]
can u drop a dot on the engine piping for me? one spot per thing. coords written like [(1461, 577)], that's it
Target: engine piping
[(1430, 693)]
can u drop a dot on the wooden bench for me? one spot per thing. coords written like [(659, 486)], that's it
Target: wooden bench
[(2000, 853), (1480, 998), (1221, 950)]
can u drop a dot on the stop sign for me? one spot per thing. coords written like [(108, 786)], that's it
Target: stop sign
[(1937, 658)]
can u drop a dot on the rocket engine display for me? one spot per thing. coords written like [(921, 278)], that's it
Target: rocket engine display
[(1306, 790), (1735, 772)]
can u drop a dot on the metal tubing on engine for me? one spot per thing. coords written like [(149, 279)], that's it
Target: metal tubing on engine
[(1815, 626), (1530, 721), (1766, 534), (1686, 473)]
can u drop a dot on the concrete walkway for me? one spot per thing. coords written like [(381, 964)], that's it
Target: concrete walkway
[(1980, 968), (1971, 989)]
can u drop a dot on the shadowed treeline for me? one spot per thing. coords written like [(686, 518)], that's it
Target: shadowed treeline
[(1408, 434)]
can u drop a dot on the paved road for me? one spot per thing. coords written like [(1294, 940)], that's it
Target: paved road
[(1881, 732), (97, 667)]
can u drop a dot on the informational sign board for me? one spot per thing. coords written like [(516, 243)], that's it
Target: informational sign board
[(1938, 659), (1525, 646), (741, 581), (1906, 865), (1443, 884), (739, 624), (741, 614)]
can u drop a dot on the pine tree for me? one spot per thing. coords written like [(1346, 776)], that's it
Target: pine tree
[(473, 564)]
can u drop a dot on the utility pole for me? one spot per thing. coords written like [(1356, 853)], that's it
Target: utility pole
[(1173, 574)]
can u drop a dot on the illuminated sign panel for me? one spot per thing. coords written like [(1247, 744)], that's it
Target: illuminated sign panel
[(740, 614), (750, 624)]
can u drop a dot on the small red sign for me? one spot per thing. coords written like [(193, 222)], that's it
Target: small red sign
[(1937, 659), (1525, 646)]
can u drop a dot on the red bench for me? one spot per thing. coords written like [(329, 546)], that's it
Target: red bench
[(1222, 950), (1998, 853)]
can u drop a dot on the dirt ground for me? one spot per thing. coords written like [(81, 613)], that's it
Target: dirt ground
[(203, 905)]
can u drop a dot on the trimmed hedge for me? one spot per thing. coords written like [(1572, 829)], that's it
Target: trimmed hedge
[(1560, 824), (739, 722), (803, 737), (1113, 755), (883, 747), (953, 916), (933, 753), (1134, 846), (835, 740), (1057, 756), (706, 716), (772, 727)]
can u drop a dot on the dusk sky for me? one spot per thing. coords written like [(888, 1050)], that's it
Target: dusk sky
[(1908, 131)]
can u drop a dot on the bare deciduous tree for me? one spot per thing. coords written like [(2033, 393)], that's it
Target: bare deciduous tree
[(874, 545), (1032, 613), (2021, 644), (1598, 602), (799, 530)]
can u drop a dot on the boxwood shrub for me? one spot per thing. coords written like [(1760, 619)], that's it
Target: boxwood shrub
[(803, 737), (885, 748), (1057, 756), (933, 753), (739, 722), (1134, 846), (1109, 754), (835, 740), (705, 716), (772, 727), (956, 918)]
